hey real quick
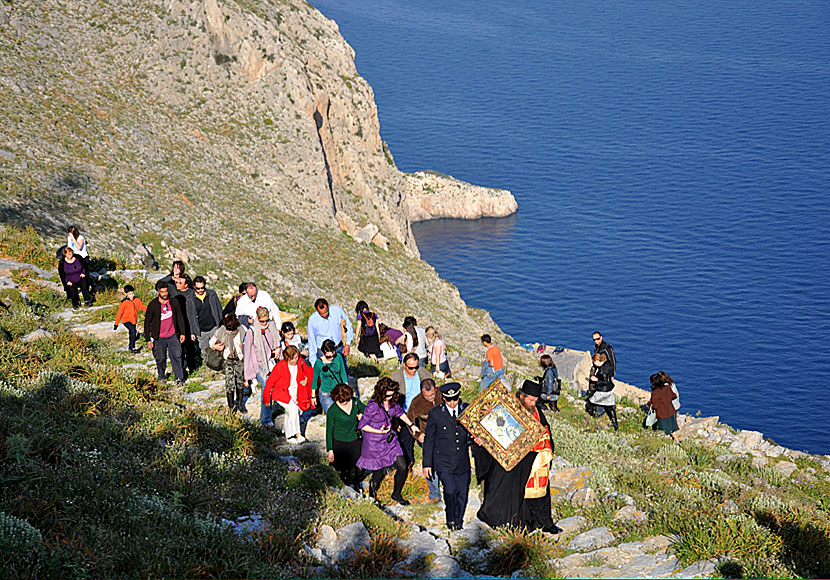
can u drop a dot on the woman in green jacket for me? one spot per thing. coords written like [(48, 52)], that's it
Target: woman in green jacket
[(329, 371), (343, 440)]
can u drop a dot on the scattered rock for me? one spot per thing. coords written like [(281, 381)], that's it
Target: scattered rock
[(247, 525), (629, 513), (339, 545), (785, 468), (759, 461), (568, 480), (585, 497), (37, 335), (7, 282), (366, 234), (701, 568), (592, 539), (443, 567), (751, 439), (572, 524)]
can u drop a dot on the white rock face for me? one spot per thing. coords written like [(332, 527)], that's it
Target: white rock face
[(433, 196)]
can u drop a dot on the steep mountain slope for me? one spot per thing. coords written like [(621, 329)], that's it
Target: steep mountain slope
[(236, 134)]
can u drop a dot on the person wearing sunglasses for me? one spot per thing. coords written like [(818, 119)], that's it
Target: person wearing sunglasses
[(600, 346), (329, 371), (409, 377)]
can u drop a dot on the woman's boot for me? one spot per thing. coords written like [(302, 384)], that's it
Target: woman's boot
[(612, 414), (231, 402), (240, 400)]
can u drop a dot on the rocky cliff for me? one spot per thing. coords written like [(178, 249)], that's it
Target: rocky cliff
[(235, 135)]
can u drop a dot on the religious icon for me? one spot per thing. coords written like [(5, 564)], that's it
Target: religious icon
[(507, 429)]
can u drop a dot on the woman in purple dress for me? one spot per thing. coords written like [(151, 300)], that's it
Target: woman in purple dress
[(381, 451)]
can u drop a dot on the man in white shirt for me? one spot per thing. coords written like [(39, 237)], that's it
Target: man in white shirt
[(252, 299), (328, 322)]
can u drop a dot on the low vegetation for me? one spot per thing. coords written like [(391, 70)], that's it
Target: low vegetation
[(105, 473)]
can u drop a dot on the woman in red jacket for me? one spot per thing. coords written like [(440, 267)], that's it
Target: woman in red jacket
[(289, 384)]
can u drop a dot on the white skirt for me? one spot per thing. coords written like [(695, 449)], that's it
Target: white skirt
[(605, 399)]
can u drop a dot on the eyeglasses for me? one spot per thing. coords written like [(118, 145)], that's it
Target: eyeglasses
[(199, 288), (415, 368), (597, 338), (264, 320)]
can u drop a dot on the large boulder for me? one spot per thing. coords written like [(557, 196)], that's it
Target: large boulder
[(566, 481), (591, 540)]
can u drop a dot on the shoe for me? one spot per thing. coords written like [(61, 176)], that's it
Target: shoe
[(552, 530), (180, 383), (400, 500), (292, 441), (301, 439), (434, 500), (268, 425)]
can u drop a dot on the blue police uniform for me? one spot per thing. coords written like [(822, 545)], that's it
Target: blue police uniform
[(446, 445)]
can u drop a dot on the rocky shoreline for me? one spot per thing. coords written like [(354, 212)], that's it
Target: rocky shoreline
[(432, 195)]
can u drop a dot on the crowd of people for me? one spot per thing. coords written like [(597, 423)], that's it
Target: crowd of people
[(259, 353)]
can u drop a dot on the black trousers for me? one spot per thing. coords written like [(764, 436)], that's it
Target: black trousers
[(400, 477), (133, 334), (72, 292), (456, 490), (407, 442), (346, 454)]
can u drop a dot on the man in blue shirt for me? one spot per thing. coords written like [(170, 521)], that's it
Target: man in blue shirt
[(409, 377), (328, 322)]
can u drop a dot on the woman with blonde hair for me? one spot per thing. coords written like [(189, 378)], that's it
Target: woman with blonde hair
[(262, 351), (437, 351)]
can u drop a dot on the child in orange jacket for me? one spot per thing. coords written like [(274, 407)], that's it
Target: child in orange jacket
[(128, 314)]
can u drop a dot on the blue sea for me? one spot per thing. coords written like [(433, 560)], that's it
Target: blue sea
[(671, 161)]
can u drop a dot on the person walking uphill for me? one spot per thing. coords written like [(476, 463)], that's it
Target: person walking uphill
[(128, 314), (262, 351), (328, 322), (289, 385), (251, 301), (446, 453), (204, 313), (381, 451), (164, 330), (329, 371), (228, 340), (409, 377), (74, 276), (519, 497), (418, 413)]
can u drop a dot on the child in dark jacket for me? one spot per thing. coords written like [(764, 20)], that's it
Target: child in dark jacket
[(661, 399), (128, 314)]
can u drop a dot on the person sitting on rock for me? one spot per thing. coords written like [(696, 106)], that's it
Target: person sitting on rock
[(289, 385), (74, 277)]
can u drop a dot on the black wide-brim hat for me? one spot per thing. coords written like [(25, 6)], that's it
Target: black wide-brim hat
[(531, 388)]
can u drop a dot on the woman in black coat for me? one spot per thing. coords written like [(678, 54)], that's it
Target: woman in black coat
[(601, 389)]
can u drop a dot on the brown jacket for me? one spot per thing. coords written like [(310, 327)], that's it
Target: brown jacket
[(419, 408), (397, 376), (661, 401)]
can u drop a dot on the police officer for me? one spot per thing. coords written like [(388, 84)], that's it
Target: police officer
[(446, 445)]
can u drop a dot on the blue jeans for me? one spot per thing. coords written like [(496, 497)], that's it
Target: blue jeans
[(326, 401), (265, 413), (488, 375)]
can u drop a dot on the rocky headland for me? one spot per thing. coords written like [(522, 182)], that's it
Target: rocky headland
[(433, 195)]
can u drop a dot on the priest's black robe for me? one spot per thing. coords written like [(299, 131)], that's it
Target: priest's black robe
[(504, 492)]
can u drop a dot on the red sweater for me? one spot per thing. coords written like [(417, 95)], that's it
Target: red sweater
[(276, 387)]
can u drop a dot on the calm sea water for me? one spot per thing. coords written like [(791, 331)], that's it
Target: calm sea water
[(672, 167)]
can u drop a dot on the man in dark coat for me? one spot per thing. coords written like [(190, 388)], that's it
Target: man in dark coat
[(164, 331), (601, 346), (446, 452), (204, 313), (519, 497)]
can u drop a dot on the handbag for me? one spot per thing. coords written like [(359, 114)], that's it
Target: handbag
[(651, 418), (214, 359)]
